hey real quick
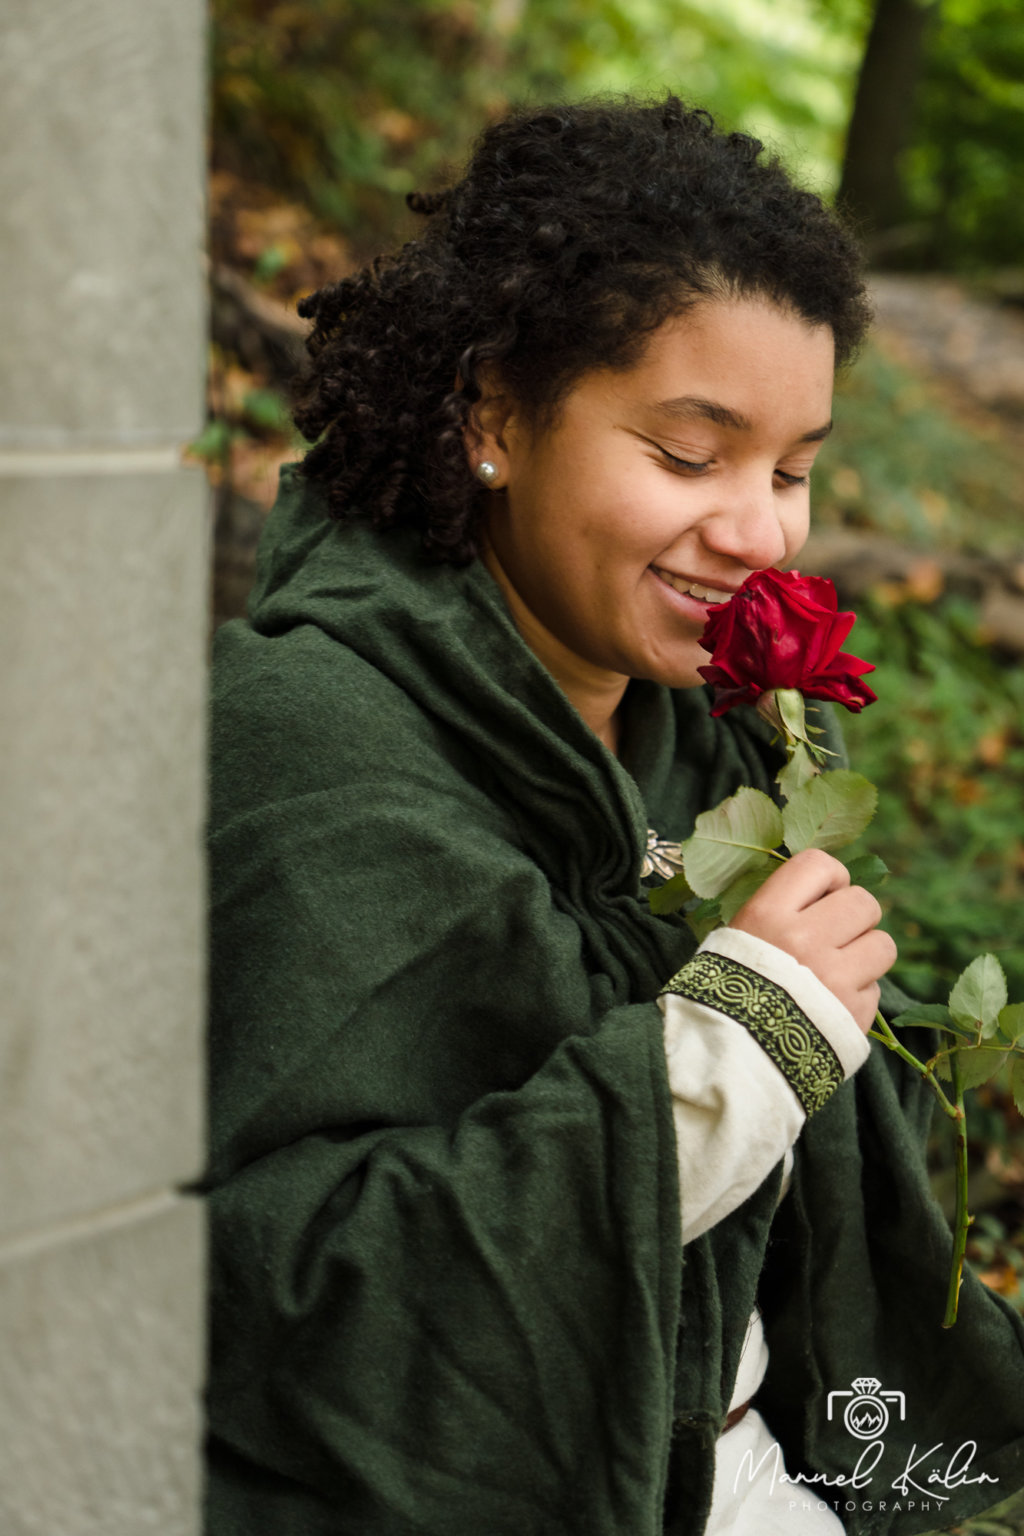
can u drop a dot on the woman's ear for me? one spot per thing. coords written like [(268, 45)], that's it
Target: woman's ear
[(486, 433)]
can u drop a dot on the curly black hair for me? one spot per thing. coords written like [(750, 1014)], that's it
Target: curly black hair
[(575, 232)]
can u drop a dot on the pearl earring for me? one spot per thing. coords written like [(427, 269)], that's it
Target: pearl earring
[(486, 471)]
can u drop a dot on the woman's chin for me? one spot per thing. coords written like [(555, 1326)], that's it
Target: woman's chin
[(674, 672)]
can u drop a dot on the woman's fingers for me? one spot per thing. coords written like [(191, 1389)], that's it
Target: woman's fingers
[(806, 878), (845, 915), (809, 908)]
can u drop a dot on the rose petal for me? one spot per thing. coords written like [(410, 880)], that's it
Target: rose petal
[(782, 630)]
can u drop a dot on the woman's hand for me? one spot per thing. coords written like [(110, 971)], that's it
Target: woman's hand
[(809, 908)]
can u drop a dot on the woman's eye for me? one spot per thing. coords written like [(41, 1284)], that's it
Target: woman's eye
[(685, 466), (782, 477)]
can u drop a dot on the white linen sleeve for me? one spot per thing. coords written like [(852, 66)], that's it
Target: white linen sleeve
[(754, 1044)]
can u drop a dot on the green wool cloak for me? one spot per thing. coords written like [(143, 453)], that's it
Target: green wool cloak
[(449, 1296)]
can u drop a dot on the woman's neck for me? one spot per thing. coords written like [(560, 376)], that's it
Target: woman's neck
[(594, 693)]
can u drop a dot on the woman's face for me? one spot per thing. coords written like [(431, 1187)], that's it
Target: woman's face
[(657, 491)]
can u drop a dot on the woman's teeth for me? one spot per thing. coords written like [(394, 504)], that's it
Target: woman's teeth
[(702, 594)]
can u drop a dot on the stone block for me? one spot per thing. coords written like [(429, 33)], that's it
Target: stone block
[(101, 145), (103, 632), (101, 1362)]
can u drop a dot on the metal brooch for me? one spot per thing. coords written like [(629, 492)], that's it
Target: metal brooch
[(661, 858)]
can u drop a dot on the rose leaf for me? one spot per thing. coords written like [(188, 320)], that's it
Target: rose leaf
[(675, 893), (1017, 1083), (979, 995), (800, 770), (830, 811), (869, 871), (977, 1063), (737, 835), (742, 889), (1011, 1022), (704, 919), (926, 1016)]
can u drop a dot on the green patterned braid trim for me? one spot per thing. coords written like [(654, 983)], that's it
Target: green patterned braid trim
[(801, 1052)]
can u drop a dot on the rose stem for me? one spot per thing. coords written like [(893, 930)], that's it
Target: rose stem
[(956, 1113), (886, 1036), (963, 1219)]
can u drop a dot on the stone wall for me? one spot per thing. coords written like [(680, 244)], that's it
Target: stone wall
[(103, 583)]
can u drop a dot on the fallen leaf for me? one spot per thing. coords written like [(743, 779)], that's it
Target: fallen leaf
[(1003, 1278)]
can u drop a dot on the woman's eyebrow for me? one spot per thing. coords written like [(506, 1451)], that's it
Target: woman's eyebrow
[(694, 407)]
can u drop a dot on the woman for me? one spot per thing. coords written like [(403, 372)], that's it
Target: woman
[(498, 1244)]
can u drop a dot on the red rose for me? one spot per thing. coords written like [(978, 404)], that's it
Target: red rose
[(782, 630)]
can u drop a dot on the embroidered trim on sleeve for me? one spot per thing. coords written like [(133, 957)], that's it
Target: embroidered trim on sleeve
[(780, 1027)]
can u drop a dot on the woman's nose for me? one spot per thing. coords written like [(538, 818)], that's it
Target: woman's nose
[(755, 526)]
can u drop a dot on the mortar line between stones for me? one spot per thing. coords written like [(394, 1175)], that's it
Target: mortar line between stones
[(87, 1224), (33, 463)]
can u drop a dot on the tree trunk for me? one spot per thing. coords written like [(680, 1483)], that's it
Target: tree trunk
[(871, 188)]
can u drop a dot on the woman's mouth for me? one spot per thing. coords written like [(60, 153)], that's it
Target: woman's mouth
[(707, 596)]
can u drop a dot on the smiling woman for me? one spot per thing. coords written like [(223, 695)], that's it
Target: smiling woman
[(501, 1237), (619, 524)]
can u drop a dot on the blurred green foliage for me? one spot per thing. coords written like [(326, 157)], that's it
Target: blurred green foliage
[(346, 105), (1005, 1519), (945, 744), (963, 170)]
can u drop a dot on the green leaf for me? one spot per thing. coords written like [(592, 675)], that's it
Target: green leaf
[(1011, 1022), (922, 1015), (799, 770), (736, 836), (979, 995), (830, 811), (213, 442), (271, 260), (871, 872), (704, 919), (675, 893), (742, 889), (267, 409), (977, 1063), (1017, 1083)]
